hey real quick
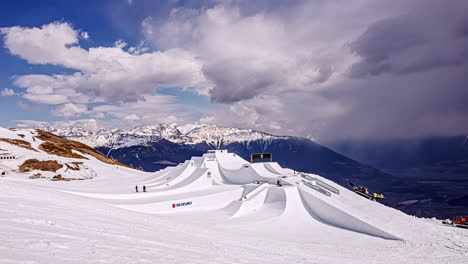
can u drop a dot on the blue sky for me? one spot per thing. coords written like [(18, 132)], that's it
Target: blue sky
[(382, 70)]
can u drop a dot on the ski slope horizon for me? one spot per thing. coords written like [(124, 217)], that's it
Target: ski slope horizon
[(217, 208)]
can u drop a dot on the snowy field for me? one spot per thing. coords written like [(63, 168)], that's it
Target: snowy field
[(196, 213)]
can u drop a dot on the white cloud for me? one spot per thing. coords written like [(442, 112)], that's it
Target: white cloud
[(142, 47), (54, 43), (52, 99), (155, 108), (70, 110), (7, 92), (107, 74), (120, 44), (132, 117), (84, 35), (30, 123)]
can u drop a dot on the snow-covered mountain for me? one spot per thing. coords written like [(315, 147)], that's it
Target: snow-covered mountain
[(212, 135)]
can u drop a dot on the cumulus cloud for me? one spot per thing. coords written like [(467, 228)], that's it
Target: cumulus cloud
[(139, 49), (103, 73), (257, 53), (7, 92), (84, 35), (70, 110), (112, 76), (50, 44)]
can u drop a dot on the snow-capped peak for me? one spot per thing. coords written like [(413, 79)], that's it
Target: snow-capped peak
[(216, 135), (75, 131), (183, 134)]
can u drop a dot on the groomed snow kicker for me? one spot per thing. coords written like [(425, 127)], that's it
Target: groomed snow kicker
[(320, 183), (253, 202), (262, 202), (250, 192), (223, 183), (313, 185), (245, 174), (276, 168)]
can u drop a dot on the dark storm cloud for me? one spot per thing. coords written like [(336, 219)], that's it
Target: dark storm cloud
[(382, 41), (431, 103), (430, 35), (462, 27), (240, 84)]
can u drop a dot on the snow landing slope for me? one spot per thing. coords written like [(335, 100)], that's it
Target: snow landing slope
[(217, 208)]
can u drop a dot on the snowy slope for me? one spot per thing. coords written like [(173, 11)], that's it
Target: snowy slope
[(192, 213), (41, 155)]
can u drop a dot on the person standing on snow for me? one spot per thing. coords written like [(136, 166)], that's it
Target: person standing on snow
[(136, 188), (144, 188)]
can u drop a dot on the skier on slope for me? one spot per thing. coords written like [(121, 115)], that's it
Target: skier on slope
[(136, 188), (144, 188)]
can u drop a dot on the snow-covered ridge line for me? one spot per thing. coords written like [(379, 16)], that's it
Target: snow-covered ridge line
[(115, 138), (37, 154)]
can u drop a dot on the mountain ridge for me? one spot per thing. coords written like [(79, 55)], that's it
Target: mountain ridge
[(213, 135)]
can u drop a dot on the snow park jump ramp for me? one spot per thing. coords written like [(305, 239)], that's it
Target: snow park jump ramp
[(222, 183)]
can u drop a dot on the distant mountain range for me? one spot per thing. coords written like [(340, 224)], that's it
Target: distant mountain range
[(156, 147), (214, 136)]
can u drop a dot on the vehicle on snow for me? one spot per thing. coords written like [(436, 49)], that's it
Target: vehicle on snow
[(458, 221), (364, 192)]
